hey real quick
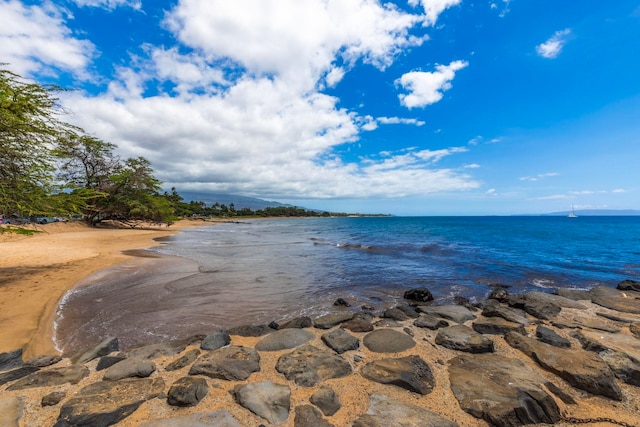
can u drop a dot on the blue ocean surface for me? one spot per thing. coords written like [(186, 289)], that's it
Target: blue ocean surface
[(253, 272)]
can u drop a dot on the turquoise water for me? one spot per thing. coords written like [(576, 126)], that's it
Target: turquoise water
[(258, 271)]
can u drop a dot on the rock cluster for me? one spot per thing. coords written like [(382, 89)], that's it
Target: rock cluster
[(511, 360)]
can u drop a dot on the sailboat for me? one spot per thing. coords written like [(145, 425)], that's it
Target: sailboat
[(572, 214)]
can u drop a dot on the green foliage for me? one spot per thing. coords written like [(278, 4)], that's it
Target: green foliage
[(18, 230)]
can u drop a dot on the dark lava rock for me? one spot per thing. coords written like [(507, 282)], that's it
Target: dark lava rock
[(221, 418), (411, 373), (395, 314), (309, 416), (43, 361), (614, 299), (560, 301), (251, 330), (185, 360), (388, 341), (268, 400), (499, 294), (53, 398), (507, 313), (340, 341), (408, 310), (629, 285), (108, 345), (463, 338), (565, 397), (502, 391), (542, 310), (496, 326), (216, 340), (457, 313), (106, 403), (330, 320), (387, 323), (11, 360), (130, 368), (430, 321), (419, 295), (574, 294), (384, 412), (16, 374), (187, 391), (580, 368), (231, 363), (108, 361), (341, 302), (326, 400), (550, 337), (298, 323), (307, 366), (284, 339), (52, 377), (358, 325)]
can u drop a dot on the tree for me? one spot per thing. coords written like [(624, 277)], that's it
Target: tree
[(28, 129)]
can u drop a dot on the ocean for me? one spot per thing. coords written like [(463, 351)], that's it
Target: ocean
[(255, 272)]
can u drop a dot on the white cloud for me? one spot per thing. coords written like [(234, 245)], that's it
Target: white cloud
[(502, 7), (433, 8), (425, 87), (400, 121), (619, 190), (552, 47), (491, 192), (109, 4), (538, 177), (36, 39)]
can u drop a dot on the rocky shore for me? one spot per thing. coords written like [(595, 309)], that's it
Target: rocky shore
[(567, 358)]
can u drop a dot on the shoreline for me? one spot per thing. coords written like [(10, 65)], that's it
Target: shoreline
[(38, 270)]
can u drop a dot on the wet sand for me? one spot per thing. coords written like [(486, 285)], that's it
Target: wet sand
[(37, 270)]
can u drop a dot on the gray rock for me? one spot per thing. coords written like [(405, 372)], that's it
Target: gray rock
[(387, 323), (10, 411), (298, 323), (614, 299), (463, 338), (384, 412), (230, 363), (185, 360), (52, 377), (11, 360), (341, 302), (408, 310), (340, 341), (53, 398), (395, 314), (582, 369), (216, 340), (307, 366), (549, 336), (629, 285), (220, 418), (457, 313), (621, 352), (187, 391), (284, 339), (16, 374), (574, 294), (616, 318), (330, 320), (130, 368), (542, 310), (358, 325), (309, 416), (251, 330), (155, 351), (388, 341), (419, 295), (268, 400), (43, 361), (507, 313), (430, 321), (502, 391), (411, 373), (565, 397), (496, 326), (108, 345), (108, 361), (560, 301), (326, 400), (106, 403)]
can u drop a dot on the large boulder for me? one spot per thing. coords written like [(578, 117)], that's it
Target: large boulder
[(130, 368), (614, 299), (307, 366), (52, 377), (268, 400), (463, 338), (457, 313), (187, 391), (388, 341), (326, 400), (330, 320), (500, 390), (411, 373), (230, 363)]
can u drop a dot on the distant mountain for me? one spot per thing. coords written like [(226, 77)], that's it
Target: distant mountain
[(239, 202), (598, 212)]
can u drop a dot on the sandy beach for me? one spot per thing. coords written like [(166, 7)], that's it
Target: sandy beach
[(37, 270)]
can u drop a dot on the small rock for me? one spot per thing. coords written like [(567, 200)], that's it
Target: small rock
[(268, 400), (358, 325), (565, 397), (284, 339), (216, 340), (230, 363), (457, 313), (53, 398), (185, 360), (387, 323), (542, 310), (308, 416), (419, 295), (463, 338), (429, 321), (307, 366), (340, 302), (43, 361), (629, 285), (388, 341), (298, 323), (411, 373), (408, 310), (340, 341), (330, 320), (550, 337), (496, 326), (367, 307), (395, 314), (187, 391), (326, 400), (574, 294), (384, 412), (130, 368), (507, 313), (108, 361)]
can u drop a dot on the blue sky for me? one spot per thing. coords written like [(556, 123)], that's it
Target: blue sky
[(408, 107)]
